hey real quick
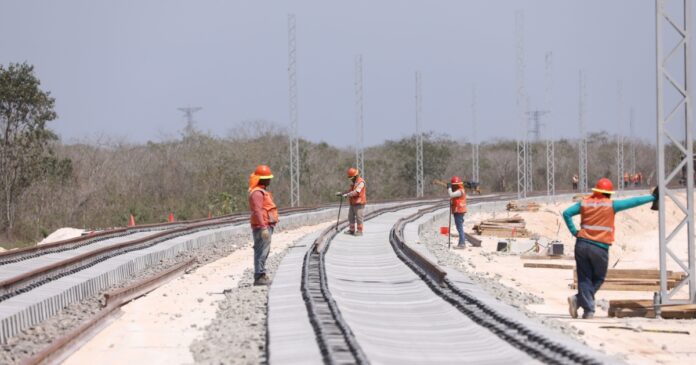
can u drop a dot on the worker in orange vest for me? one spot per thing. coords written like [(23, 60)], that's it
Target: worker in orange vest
[(626, 179), (594, 239), (357, 196), (264, 217), (457, 195)]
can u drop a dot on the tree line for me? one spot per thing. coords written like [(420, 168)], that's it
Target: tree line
[(47, 184)]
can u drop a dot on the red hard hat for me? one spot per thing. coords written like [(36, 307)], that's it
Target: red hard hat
[(456, 180), (263, 172), (352, 172), (604, 186)]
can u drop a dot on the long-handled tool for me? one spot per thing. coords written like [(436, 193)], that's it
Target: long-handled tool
[(449, 230), (338, 218)]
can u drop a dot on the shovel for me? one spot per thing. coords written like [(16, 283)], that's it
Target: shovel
[(339, 212)]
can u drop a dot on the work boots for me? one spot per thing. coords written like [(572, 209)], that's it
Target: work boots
[(358, 233), (573, 306), (262, 279)]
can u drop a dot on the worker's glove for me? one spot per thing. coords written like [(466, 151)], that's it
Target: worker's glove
[(449, 186), (265, 234), (338, 193), (656, 202), (345, 195)]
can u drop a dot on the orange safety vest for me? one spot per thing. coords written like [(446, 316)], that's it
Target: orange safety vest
[(361, 198), (597, 220), (459, 204), (270, 212)]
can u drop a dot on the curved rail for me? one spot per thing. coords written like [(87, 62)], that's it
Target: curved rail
[(516, 334)]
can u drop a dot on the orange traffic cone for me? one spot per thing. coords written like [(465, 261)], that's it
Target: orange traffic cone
[(171, 218), (131, 222)]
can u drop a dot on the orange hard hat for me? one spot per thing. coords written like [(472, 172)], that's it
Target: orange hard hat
[(263, 172), (352, 172), (604, 186), (456, 180)]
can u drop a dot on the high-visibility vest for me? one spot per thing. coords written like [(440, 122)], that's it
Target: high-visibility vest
[(270, 211), (459, 204), (361, 198), (597, 220)]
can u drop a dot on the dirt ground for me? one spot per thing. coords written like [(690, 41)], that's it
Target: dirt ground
[(636, 247)]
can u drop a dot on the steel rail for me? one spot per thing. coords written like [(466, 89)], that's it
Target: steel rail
[(336, 341), (29, 280), (516, 334), (113, 301)]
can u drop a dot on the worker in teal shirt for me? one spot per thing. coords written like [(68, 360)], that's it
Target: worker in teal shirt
[(594, 238)]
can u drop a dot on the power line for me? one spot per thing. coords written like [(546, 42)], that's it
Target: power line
[(522, 174), (188, 113), (550, 147), (294, 127), (359, 116), (582, 143), (419, 139), (474, 141)]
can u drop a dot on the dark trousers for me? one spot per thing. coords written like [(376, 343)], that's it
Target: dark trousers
[(261, 250), (459, 223), (591, 262)]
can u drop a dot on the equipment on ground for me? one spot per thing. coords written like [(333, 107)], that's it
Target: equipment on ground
[(555, 248)]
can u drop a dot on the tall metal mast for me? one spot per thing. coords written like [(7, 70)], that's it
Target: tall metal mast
[(359, 116), (632, 146), (474, 140), (619, 137), (550, 147), (680, 58), (294, 128), (522, 184), (582, 143), (419, 139)]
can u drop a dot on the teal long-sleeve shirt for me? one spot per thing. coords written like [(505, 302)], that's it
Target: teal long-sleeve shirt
[(618, 206)]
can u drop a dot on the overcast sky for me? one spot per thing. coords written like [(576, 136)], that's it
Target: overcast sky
[(122, 68)]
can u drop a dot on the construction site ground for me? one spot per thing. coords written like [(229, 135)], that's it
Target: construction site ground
[(636, 247)]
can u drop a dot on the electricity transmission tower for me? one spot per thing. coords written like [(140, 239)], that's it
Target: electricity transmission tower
[(535, 119), (522, 184), (632, 148), (582, 143), (419, 139), (550, 148), (359, 116), (679, 118), (474, 140), (188, 113), (619, 138), (294, 128)]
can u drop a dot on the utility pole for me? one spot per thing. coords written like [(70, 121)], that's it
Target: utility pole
[(188, 113), (419, 139), (632, 151), (534, 116), (294, 124), (474, 140), (582, 143), (619, 137), (522, 185), (550, 148), (359, 116), (679, 118)]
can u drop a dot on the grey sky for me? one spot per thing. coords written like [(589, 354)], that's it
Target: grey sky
[(121, 68)]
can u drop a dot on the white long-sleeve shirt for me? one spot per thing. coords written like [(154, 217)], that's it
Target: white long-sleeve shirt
[(455, 194)]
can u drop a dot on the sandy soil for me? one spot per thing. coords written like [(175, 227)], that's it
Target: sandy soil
[(636, 247), (158, 328), (62, 234)]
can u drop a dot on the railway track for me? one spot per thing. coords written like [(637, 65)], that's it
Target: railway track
[(379, 299), (36, 283)]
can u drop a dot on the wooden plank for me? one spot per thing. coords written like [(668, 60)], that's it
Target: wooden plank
[(546, 257), (539, 265), (626, 286), (668, 312)]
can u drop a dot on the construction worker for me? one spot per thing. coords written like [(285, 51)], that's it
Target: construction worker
[(457, 195), (626, 179), (357, 196), (576, 179), (264, 217), (594, 238)]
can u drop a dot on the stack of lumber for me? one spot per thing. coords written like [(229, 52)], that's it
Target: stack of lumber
[(646, 308), (503, 227), (635, 280), (525, 206)]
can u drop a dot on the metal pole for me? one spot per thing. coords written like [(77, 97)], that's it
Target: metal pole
[(294, 124), (522, 184), (665, 137), (619, 137), (550, 148), (359, 116), (474, 140), (419, 139), (582, 144)]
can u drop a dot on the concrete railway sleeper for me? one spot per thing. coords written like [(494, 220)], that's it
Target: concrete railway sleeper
[(335, 339), (536, 345)]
